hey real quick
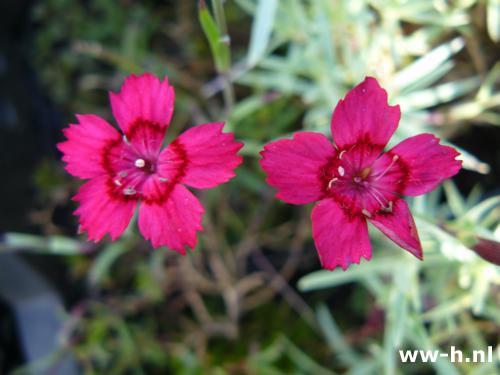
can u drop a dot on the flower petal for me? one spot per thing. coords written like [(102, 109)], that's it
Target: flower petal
[(400, 227), (100, 211), (427, 163), (203, 156), (146, 139), (364, 116), (85, 145), (340, 240), (144, 98), (172, 222), (294, 166)]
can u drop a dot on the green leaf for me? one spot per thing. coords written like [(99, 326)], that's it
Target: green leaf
[(418, 335), (327, 279), (396, 317), (476, 213), (104, 261), (455, 200), (261, 30), (493, 19), (219, 44), (427, 64), (437, 95), (303, 361), (334, 337), (57, 245), (487, 88)]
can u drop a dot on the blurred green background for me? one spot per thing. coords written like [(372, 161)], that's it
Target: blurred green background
[(251, 298)]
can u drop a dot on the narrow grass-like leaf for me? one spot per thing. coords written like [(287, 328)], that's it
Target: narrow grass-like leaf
[(493, 19), (427, 63), (482, 208), (396, 316), (448, 309), (438, 94), (487, 87), (454, 198), (104, 261), (420, 339), (261, 30), (218, 46), (334, 337), (327, 279), (471, 162), (303, 361), (57, 245)]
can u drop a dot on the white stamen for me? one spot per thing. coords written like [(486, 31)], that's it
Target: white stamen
[(366, 213), (140, 163), (129, 191), (394, 158), (118, 182), (331, 182), (341, 154), (379, 197), (341, 171), (125, 139), (122, 174), (162, 179)]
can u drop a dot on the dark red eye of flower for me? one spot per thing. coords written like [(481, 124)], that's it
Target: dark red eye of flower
[(128, 168), (354, 180)]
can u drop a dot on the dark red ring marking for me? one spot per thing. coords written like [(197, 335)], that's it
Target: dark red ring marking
[(175, 146)]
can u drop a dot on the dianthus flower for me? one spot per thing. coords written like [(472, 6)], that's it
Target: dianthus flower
[(131, 168), (354, 180)]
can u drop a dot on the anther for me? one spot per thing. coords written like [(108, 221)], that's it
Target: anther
[(341, 154), (129, 191), (366, 213), (357, 179), (140, 163), (388, 208), (118, 182), (122, 174), (332, 182), (125, 139), (341, 171), (162, 179)]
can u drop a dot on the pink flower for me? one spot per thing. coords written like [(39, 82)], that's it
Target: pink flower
[(124, 170), (354, 181)]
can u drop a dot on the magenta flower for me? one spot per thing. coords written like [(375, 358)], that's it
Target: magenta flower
[(353, 180), (124, 170)]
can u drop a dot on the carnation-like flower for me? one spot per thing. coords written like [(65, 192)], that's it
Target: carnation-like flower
[(354, 180), (131, 168)]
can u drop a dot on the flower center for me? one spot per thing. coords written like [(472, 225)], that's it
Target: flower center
[(134, 173), (363, 181)]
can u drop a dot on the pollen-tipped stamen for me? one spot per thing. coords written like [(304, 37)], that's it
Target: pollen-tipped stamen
[(379, 176), (140, 163), (379, 197), (385, 204), (129, 191), (331, 182)]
